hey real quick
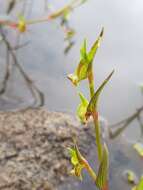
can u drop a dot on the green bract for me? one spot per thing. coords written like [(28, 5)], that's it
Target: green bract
[(85, 64), (94, 100), (83, 53), (95, 47), (82, 108), (77, 161)]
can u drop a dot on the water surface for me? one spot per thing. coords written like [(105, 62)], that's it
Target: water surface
[(45, 63)]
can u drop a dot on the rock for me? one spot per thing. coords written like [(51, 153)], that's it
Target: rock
[(34, 155), (33, 148)]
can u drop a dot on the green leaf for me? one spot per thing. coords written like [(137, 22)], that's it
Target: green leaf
[(102, 176), (82, 108), (94, 100)]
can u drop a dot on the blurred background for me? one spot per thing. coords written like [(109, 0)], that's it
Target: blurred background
[(44, 60)]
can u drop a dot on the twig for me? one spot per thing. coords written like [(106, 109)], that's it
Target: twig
[(7, 73), (124, 124), (36, 93), (10, 6), (19, 46), (140, 124)]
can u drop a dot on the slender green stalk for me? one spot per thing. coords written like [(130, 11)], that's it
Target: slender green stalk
[(87, 166), (91, 172), (98, 136), (95, 117), (91, 82)]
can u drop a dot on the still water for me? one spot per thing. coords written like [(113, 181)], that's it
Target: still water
[(44, 61)]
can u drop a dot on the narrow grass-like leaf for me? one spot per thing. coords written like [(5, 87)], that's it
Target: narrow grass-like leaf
[(94, 100)]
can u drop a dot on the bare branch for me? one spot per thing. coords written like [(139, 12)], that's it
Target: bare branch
[(36, 93), (123, 124)]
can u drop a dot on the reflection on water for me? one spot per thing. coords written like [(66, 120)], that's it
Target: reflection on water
[(121, 49), (122, 157), (44, 61)]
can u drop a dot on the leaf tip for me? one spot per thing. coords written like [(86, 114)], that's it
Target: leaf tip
[(102, 32)]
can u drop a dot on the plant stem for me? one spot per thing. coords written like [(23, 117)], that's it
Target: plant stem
[(84, 162), (95, 116), (106, 187), (91, 172), (91, 83), (98, 136)]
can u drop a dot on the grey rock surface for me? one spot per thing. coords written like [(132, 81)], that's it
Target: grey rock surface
[(33, 148), (34, 155)]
